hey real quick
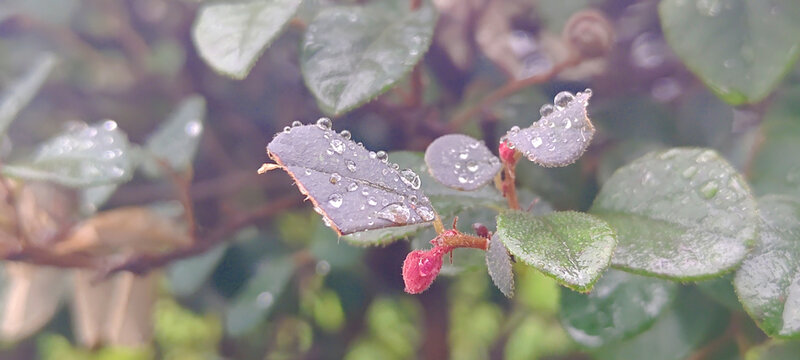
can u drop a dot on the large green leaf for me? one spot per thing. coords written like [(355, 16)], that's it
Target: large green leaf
[(352, 54), (231, 35), (768, 283), (741, 49), (254, 303), (572, 247), (772, 171), (83, 156), (684, 214), (20, 92), (619, 306), (177, 138), (188, 275), (775, 350)]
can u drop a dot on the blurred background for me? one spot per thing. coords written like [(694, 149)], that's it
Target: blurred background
[(195, 256)]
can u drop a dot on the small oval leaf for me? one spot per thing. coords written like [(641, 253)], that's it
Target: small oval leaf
[(176, 140), (684, 214), (498, 262), (560, 136), (21, 92), (572, 247), (353, 188), (461, 162), (254, 303)]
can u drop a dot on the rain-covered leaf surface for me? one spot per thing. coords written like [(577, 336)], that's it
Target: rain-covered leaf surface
[(353, 188), (253, 304), (775, 350), (80, 157), (176, 140), (351, 54), (231, 35), (498, 262), (188, 275), (561, 135), (620, 305), (19, 93), (684, 214), (461, 162), (675, 335), (741, 49), (768, 283), (572, 247)]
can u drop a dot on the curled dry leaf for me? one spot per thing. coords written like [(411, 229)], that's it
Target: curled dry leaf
[(126, 230), (561, 135), (354, 189), (31, 297), (45, 210), (461, 162), (589, 32)]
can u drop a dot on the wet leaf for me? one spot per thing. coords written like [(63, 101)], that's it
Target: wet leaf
[(620, 305), (80, 157), (741, 49), (231, 35), (21, 92), (775, 350), (461, 162), (561, 135), (352, 54), (572, 247), (177, 138), (31, 296), (767, 283), (352, 188), (254, 303), (188, 275), (383, 236), (498, 262), (683, 214)]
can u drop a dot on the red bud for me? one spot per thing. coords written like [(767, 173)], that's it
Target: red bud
[(507, 153), (421, 267)]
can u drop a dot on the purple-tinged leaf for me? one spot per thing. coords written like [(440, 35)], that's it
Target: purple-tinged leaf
[(561, 135), (498, 261), (461, 162)]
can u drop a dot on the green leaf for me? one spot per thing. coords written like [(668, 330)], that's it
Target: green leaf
[(498, 262), (572, 247), (254, 303), (683, 214), (619, 306), (188, 275), (775, 350), (21, 92), (383, 236), (741, 49), (352, 54), (177, 138), (721, 290), (231, 35), (678, 332), (767, 282), (772, 171), (84, 156)]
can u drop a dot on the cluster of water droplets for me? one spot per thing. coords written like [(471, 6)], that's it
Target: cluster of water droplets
[(99, 148), (470, 160)]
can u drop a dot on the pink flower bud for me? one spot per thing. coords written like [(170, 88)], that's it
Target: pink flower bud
[(507, 153), (421, 267)]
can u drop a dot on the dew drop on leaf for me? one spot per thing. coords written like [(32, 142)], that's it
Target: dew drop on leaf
[(396, 213), (324, 123), (335, 200)]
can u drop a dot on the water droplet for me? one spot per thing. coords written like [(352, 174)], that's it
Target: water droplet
[(462, 179), (412, 199), (322, 268), (287, 129), (110, 125), (396, 213), (324, 123), (463, 155), (351, 165), (514, 130), (709, 189), (264, 299), (546, 109), (352, 187), (372, 155), (425, 213), (382, 156), (372, 201), (335, 178), (705, 156), (567, 124), (563, 99), (536, 142), (193, 128), (472, 166), (296, 123), (108, 155), (395, 166), (689, 172), (335, 200), (308, 171), (337, 146), (410, 178), (345, 134)]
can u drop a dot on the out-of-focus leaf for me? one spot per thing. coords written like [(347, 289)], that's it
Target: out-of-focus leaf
[(124, 230), (336, 254), (43, 211), (619, 306), (461, 162), (352, 54), (684, 214), (498, 263), (92, 198), (31, 296), (177, 138), (231, 35), (772, 171), (178, 329), (254, 303), (572, 247), (187, 276), (82, 157), (383, 236), (721, 290), (561, 135), (767, 281), (775, 350), (675, 334), (536, 338), (352, 188), (623, 154), (20, 92), (741, 49), (537, 291), (555, 14)]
